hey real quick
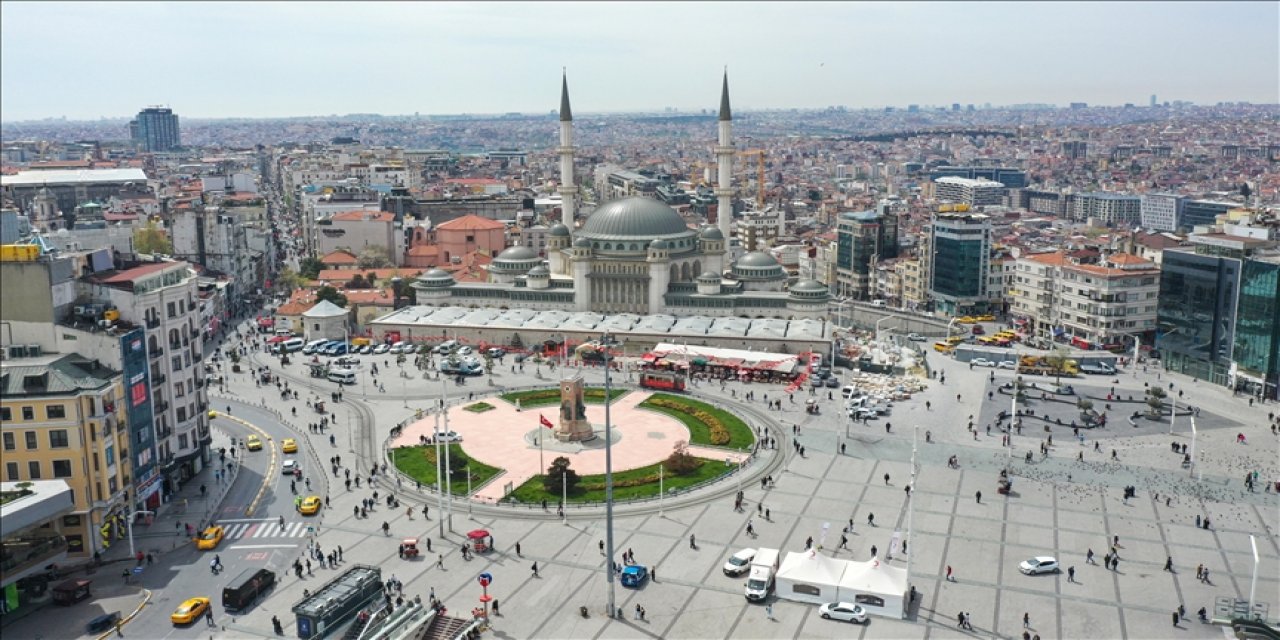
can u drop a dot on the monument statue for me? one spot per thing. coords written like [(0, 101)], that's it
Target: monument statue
[(574, 426)]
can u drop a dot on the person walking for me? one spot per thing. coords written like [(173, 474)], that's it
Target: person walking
[(949, 578), (1088, 557), (1168, 564), (1026, 620), (535, 570), (1071, 574), (978, 496), (518, 549), (768, 611)]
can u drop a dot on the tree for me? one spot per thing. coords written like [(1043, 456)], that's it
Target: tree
[(1246, 192), (1084, 404), (1057, 359), (560, 476), (289, 280), (152, 239), (373, 257), (310, 267), (681, 462), (458, 462), (1155, 400), (332, 295), (357, 282)]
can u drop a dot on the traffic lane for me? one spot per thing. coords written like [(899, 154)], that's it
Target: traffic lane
[(278, 500)]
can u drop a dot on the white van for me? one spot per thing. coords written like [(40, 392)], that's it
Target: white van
[(342, 376), (291, 345), (310, 347), (848, 392), (764, 569)]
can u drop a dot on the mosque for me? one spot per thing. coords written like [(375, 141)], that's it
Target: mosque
[(635, 255)]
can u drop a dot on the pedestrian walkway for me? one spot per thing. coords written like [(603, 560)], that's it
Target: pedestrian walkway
[(268, 528)]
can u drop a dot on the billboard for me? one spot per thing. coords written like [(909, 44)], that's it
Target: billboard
[(142, 441)]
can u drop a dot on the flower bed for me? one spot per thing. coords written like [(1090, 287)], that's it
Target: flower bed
[(627, 485), (707, 425), (479, 407), (550, 397)]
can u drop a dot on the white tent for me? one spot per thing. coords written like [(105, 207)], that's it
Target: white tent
[(809, 577), (876, 586)]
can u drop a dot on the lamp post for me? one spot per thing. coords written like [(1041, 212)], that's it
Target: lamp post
[(608, 481), (1253, 584), (439, 475), (911, 498), (135, 514), (882, 320), (448, 480), (1195, 462)]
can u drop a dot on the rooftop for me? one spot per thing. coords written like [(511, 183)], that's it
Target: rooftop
[(52, 375), (73, 176)]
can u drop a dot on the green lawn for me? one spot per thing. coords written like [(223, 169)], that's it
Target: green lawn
[(551, 396), (479, 407), (419, 463), (591, 488), (740, 434)]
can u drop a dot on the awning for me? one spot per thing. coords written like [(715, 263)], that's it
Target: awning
[(700, 361), (275, 339)]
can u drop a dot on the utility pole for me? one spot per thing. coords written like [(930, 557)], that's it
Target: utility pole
[(608, 479), (439, 476), (448, 481)]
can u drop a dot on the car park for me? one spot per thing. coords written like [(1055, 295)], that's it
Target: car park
[(845, 611), (982, 362), (739, 563), (1039, 564), (210, 538), (189, 611), (289, 467)]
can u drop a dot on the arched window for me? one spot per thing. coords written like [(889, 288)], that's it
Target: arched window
[(608, 247)]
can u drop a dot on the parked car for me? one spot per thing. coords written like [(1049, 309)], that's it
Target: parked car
[(634, 575), (833, 382), (447, 436), (1039, 564), (381, 349), (739, 563), (496, 352), (1008, 364), (366, 350), (982, 362), (846, 611), (915, 337)]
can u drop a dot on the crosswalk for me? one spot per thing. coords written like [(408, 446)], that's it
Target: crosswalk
[(265, 529)]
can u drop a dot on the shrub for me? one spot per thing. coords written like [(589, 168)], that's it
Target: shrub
[(718, 433)]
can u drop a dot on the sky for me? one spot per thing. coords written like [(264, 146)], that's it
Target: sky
[(83, 60)]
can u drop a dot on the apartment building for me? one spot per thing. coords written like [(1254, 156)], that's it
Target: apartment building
[(1085, 297), (1161, 211), (359, 230), (960, 262), (759, 230), (975, 192), (62, 418), (1110, 209)]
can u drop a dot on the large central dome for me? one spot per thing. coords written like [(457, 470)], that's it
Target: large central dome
[(634, 217)]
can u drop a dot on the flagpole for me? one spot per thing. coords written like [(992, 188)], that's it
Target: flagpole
[(541, 463)]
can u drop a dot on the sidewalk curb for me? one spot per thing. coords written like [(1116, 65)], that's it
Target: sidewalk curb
[(125, 620)]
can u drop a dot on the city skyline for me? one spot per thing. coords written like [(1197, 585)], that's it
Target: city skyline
[(495, 58)]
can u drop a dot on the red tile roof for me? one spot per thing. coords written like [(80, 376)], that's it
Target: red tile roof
[(338, 256), (471, 222), (360, 215)]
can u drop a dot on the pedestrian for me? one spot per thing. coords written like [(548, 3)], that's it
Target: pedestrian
[(768, 611), (886, 479), (601, 545), (517, 549), (1088, 557), (495, 609), (978, 497), (1026, 620), (1071, 574), (949, 578), (871, 520), (873, 551), (208, 617), (637, 614), (439, 561), (1168, 564), (1175, 613), (535, 570)]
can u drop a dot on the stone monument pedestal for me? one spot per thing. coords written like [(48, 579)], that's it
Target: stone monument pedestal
[(574, 426)]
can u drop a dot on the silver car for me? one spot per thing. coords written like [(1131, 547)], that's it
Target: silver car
[(846, 611)]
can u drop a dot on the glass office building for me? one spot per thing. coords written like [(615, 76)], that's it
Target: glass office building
[(961, 260)]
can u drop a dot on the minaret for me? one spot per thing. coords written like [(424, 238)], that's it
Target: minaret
[(568, 190), (724, 161)]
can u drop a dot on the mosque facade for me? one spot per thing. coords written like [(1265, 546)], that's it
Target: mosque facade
[(635, 255)]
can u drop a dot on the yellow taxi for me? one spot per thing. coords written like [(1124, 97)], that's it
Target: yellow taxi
[(310, 506), (985, 318), (253, 443), (190, 611), (210, 538), (289, 445), (965, 320)]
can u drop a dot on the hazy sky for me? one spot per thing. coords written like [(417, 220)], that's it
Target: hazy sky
[(88, 60)]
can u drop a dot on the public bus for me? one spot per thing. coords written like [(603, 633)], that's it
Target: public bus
[(663, 380)]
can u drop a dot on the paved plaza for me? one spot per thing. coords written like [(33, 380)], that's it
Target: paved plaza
[(1060, 506)]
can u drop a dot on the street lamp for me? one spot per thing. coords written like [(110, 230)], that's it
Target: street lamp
[(135, 514), (608, 479)]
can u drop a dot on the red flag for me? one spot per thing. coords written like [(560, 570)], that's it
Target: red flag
[(545, 422)]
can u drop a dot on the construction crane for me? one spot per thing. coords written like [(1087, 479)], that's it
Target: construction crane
[(759, 154)]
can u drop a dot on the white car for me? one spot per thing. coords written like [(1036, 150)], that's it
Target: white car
[(381, 349), (739, 563), (1039, 564), (915, 337), (289, 466), (447, 436), (464, 350), (982, 362), (846, 611), (1008, 364)]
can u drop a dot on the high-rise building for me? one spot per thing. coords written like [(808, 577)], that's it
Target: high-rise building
[(155, 129), (1219, 315), (1161, 211), (1153, 99), (1199, 212), (1111, 209), (863, 239), (61, 417), (1075, 149), (1009, 177), (973, 192), (960, 257)]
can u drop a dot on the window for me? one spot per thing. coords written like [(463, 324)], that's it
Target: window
[(11, 471), (62, 468), (806, 589), (55, 411), (28, 413), (112, 485), (172, 310), (33, 470), (58, 439), (182, 441), (870, 601), (111, 455), (6, 414), (31, 440), (9, 442), (182, 414)]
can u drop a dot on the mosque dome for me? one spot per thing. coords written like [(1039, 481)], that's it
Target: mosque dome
[(516, 260), (758, 266), (436, 278), (517, 253), (711, 233), (558, 230), (634, 217)]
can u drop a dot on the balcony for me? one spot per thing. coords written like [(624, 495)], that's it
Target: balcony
[(175, 345), (153, 323), (162, 406), (163, 432), (155, 352), (159, 378)]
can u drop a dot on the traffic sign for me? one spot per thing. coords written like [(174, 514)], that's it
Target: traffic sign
[(137, 570), (486, 579)]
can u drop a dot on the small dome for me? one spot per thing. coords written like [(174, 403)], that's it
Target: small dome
[(808, 286), (433, 274), (558, 230), (517, 253), (658, 245), (756, 259), (436, 278), (708, 276), (540, 271), (582, 243), (712, 233)]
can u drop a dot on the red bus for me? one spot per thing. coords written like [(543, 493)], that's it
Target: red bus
[(664, 380)]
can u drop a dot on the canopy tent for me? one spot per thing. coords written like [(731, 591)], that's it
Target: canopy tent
[(809, 577), (875, 586)]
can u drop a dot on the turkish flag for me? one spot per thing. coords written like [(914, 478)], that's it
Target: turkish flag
[(545, 422)]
